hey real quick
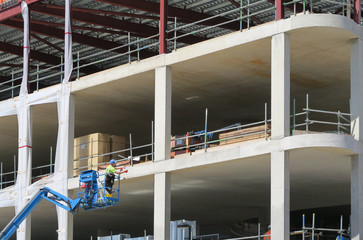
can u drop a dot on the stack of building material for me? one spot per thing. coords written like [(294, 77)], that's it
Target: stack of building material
[(87, 149), (245, 134), (118, 143)]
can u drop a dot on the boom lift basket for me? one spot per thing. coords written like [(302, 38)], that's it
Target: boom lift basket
[(92, 190)]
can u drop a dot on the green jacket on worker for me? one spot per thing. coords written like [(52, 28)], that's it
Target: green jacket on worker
[(110, 170)]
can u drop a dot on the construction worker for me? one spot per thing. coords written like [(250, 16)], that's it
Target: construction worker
[(268, 233), (110, 175)]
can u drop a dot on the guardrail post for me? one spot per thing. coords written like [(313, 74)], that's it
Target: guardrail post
[(304, 6), (313, 227), (293, 117), (248, 14), (341, 227), (132, 161), (241, 15), (138, 49), (1, 176), (14, 169), (307, 114), (303, 232), (61, 78), (78, 65), (12, 84), (37, 77), (91, 153), (175, 34), (129, 45), (338, 122), (51, 159), (266, 121), (152, 140), (205, 130), (259, 231)]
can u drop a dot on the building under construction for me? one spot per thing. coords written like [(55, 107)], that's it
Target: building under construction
[(230, 116)]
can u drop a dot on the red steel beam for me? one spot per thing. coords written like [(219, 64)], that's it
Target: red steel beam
[(59, 33), (138, 30), (163, 26), (280, 11), (15, 10), (98, 11), (184, 15), (141, 30), (61, 25), (36, 55), (78, 38), (357, 12)]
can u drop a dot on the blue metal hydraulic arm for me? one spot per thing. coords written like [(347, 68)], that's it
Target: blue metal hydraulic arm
[(91, 196), (45, 193)]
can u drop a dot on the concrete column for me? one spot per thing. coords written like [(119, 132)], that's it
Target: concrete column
[(280, 86), (24, 166), (64, 158), (163, 83), (162, 205), (356, 87), (280, 196), (356, 108), (357, 197)]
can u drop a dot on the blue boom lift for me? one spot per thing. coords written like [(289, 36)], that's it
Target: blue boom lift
[(91, 195)]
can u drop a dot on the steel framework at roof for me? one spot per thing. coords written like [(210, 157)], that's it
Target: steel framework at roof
[(108, 24)]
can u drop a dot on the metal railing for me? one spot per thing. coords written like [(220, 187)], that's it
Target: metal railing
[(189, 28), (204, 139), (310, 233), (126, 53), (9, 178), (333, 121)]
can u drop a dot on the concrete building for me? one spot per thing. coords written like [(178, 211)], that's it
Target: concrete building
[(293, 71)]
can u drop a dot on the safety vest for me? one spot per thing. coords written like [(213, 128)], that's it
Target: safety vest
[(110, 170)]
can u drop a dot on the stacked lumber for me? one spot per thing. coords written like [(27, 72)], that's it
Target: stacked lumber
[(245, 134)]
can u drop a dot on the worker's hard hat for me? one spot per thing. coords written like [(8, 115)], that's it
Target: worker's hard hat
[(113, 161)]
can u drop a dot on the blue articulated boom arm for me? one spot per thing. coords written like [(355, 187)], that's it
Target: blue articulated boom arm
[(45, 193)]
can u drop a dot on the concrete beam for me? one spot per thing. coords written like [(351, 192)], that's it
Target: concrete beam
[(163, 83), (162, 206), (280, 196), (280, 85)]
